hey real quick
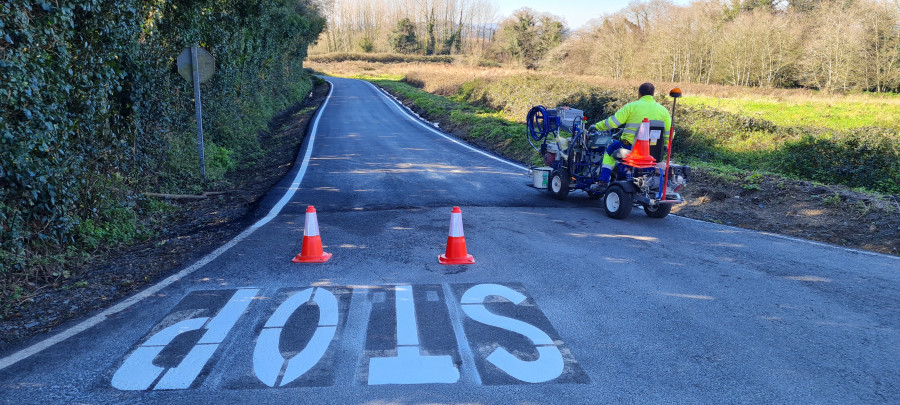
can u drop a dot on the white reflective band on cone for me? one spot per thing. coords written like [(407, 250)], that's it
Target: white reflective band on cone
[(311, 227), (456, 227), (643, 133)]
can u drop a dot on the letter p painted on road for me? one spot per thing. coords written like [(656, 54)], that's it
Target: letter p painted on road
[(139, 372)]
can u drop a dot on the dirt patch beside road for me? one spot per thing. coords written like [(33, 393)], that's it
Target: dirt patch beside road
[(831, 214)]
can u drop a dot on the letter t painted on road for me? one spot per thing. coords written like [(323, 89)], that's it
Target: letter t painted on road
[(410, 366)]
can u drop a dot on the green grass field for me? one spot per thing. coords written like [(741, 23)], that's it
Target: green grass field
[(840, 113)]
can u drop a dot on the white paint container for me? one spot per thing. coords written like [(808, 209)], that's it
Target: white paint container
[(540, 175)]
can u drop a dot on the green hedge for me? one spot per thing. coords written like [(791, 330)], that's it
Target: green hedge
[(93, 111)]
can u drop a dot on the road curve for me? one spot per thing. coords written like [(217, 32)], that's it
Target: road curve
[(563, 304)]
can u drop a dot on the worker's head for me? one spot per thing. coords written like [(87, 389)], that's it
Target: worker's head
[(646, 89)]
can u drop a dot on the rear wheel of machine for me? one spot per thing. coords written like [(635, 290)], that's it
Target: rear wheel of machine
[(658, 211), (617, 203), (559, 184)]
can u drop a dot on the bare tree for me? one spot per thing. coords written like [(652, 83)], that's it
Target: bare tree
[(834, 50), (881, 34), (616, 48), (833, 45), (758, 48), (442, 26)]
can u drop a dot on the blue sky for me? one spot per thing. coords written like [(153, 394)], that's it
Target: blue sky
[(575, 12)]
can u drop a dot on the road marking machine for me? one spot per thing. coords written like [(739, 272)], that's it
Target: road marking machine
[(573, 157)]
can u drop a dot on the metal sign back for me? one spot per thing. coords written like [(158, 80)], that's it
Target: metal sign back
[(206, 64)]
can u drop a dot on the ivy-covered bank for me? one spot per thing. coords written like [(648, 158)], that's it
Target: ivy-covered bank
[(94, 113)]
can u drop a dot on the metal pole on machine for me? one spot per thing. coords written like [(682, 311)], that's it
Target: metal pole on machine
[(675, 94)]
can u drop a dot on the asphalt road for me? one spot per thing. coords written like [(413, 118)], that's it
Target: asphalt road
[(563, 304)]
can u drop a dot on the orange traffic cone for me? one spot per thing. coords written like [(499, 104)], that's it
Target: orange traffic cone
[(640, 153), (456, 242), (311, 249)]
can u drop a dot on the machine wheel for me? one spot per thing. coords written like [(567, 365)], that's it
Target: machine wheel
[(559, 184), (659, 211), (618, 203)]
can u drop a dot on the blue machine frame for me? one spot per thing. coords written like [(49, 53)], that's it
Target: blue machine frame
[(584, 168)]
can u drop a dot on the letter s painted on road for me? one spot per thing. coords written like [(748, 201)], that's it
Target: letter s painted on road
[(549, 364)]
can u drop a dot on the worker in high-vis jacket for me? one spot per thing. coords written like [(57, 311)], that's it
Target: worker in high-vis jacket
[(631, 116)]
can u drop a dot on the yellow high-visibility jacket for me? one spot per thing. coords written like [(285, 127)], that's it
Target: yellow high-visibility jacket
[(632, 114)]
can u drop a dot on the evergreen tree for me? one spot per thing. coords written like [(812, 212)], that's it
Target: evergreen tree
[(403, 38)]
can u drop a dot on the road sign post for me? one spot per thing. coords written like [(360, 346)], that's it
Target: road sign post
[(196, 65), (198, 110)]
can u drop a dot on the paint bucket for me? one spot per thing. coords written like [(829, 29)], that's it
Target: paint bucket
[(540, 175)]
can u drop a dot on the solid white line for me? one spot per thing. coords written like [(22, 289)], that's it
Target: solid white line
[(96, 319), (303, 166), (410, 115)]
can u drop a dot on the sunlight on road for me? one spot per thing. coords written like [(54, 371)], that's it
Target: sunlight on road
[(810, 278), (692, 296), (724, 244), (351, 246), (381, 168), (604, 235)]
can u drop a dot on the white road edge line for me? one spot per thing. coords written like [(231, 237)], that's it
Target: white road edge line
[(406, 111), (391, 99), (96, 319)]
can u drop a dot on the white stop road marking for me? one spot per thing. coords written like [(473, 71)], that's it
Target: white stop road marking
[(498, 317)]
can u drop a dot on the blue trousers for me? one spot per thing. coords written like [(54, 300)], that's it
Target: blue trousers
[(609, 161)]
